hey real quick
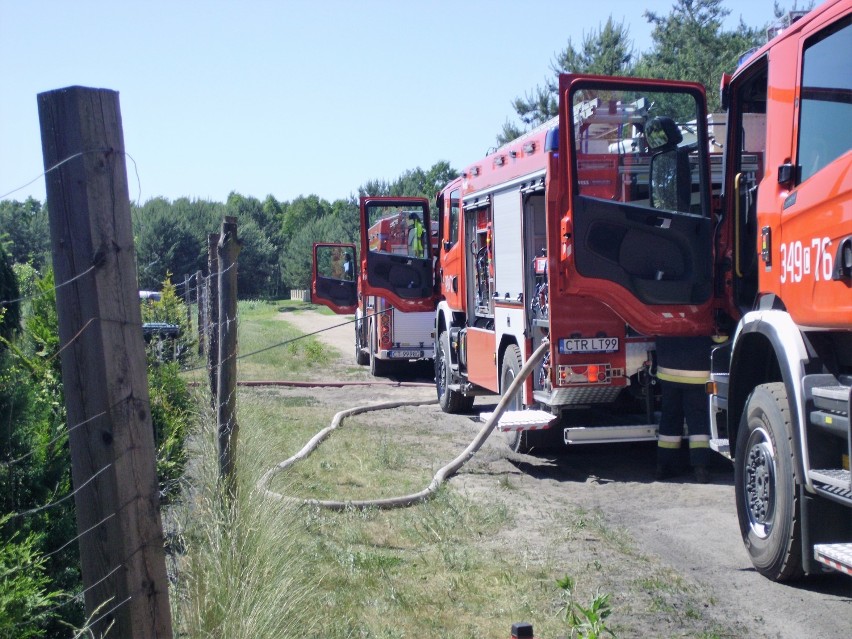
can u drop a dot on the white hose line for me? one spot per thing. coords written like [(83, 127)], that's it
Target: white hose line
[(443, 473)]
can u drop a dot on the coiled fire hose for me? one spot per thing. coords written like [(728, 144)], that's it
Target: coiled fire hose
[(441, 476)]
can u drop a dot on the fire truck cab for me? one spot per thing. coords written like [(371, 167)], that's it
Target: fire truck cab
[(780, 403)]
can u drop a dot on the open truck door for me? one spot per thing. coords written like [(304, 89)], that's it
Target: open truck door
[(397, 252), (334, 280), (637, 230)]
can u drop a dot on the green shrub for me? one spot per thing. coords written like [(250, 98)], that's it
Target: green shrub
[(36, 471), (171, 416), (26, 603), (169, 309)]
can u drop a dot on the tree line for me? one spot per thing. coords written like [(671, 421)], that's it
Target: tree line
[(689, 43), (171, 236)]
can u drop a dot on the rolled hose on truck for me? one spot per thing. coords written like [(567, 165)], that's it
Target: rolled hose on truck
[(440, 477)]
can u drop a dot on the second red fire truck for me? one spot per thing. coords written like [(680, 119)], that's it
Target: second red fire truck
[(387, 336)]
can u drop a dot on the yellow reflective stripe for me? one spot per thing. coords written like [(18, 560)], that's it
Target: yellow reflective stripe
[(683, 372), (699, 443), (669, 438), (681, 376), (668, 441)]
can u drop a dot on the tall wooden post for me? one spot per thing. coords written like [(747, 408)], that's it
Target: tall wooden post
[(103, 364), (213, 314), (229, 249)]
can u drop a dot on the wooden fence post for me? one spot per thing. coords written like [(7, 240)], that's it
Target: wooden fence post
[(103, 364), (228, 248), (213, 315)]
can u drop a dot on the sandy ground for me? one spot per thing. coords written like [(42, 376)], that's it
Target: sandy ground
[(690, 528)]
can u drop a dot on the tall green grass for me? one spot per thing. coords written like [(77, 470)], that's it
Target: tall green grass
[(241, 571)]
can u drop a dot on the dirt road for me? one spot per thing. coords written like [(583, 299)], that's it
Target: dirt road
[(690, 528)]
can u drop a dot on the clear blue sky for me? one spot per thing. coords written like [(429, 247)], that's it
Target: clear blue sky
[(293, 97)]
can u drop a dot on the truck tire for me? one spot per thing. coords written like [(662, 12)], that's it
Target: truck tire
[(765, 472), (522, 441), (451, 401), (362, 357), (378, 367)]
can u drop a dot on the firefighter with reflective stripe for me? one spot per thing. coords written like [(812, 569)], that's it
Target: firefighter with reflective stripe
[(416, 236), (683, 365)]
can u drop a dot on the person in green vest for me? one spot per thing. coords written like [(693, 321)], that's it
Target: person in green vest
[(416, 236)]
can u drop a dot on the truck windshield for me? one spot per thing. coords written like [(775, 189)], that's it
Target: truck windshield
[(399, 230), (620, 135)]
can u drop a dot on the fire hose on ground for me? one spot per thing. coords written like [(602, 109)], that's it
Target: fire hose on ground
[(440, 477)]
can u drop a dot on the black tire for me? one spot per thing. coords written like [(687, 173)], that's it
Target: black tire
[(516, 439), (765, 481), (451, 401), (362, 357), (378, 367)]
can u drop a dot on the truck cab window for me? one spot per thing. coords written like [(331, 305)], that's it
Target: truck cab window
[(826, 100), (615, 156), (454, 217)]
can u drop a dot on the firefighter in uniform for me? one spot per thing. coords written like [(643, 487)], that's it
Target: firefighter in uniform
[(683, 367), (415, 236)]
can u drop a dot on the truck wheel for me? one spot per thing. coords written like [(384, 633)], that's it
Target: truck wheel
[(451, 401), (522, 441), (361, 355), (765, 485), (378, 367), (519, 441)]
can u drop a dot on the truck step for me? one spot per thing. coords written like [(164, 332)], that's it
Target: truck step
[(522, 420), (838, 478), (836, 556), (834, 398), (831, 422), (721, 446), (606, 434)]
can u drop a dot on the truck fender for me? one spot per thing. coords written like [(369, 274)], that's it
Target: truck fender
[(769, 347), (445, 320)]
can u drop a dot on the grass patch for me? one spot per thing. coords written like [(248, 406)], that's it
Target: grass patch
[(262, 338), (447, 567)]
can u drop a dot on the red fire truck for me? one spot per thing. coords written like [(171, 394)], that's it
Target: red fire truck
[(781, 387), (561, 234), (386, 335)]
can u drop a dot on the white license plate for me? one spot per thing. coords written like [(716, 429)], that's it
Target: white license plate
[(405, 354), (588, 345)]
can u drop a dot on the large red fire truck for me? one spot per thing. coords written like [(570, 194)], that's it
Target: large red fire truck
[(560, 235), (386, 335), (781, 387)]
